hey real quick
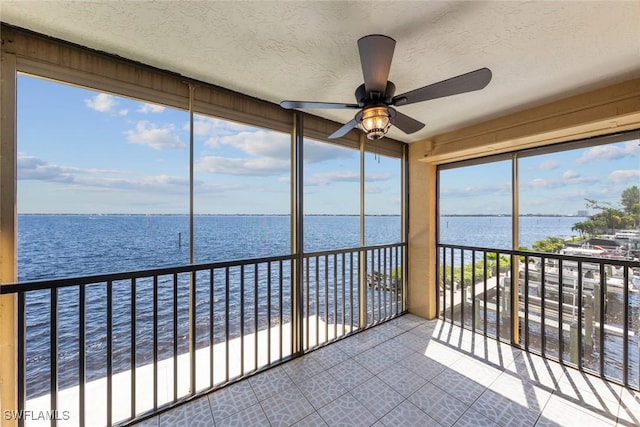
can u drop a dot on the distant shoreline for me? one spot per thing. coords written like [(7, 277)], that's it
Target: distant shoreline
[(159, 214), (509, 215), (285, 215)]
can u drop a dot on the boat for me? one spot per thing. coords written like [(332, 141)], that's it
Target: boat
[(600, 248)]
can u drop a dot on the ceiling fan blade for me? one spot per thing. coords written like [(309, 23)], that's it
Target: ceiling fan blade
[(290, 105), (376, 53), (344, 129), (475, 80), (406, 123)]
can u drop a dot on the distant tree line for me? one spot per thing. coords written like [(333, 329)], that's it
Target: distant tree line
[(607, 220), (610, 217)]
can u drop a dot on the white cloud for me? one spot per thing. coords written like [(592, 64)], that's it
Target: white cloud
[(212, 127), (610, 152), (242, 166), (500, 189), (102, 102), (385, 176), (146, 108), (542, 183), (263, 143), (624, 176), (160, 183), (316, 152), (569, 177), (260, 143), (569, 174), (326, 178), (549, 165), (32, 168), (155, 137)]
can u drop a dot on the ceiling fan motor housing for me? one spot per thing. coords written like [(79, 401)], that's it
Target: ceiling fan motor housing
[(367, 99)]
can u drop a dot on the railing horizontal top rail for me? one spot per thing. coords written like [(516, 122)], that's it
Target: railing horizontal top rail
[(347, 250), (34, 285), (551, 255), (112, 277)]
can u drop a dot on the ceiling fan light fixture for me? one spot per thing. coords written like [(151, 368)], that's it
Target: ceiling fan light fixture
[(375, 122)]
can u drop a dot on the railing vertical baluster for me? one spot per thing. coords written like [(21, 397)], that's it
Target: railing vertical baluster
[(175, 336), (295, 289), (22, 359), (398, 272), (212, 340), (625, 342), (269, 313), (317, 305), (380, 284), (580, 311), (513, 302), (132, 315), (442, 278), (363, 289), (307, 314), (405, 281), (155, 341), (109, 351), (560, 312), (351, 288), (473, 291), (387, 280), (498, 296), (526, 301), (372, 289), (462, 300), (82, 365), (453, 288), (326, 298), (226, 323), (54, 351), (484, 297), (242, 319), (193, 331), (603, 296), (344, 276), (439, 282), (543, 303), (255, 316), (335, 296), (280, 308)]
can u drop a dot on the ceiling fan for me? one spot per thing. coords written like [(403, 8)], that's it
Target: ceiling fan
[(375, 97)]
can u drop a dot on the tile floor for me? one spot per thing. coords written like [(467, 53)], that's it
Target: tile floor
[(413, 372)]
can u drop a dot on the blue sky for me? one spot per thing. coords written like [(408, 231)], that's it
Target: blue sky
[(82, 151), (555, 183)]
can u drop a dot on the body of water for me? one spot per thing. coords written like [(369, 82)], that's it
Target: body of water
[(56, 246), (495, 231)]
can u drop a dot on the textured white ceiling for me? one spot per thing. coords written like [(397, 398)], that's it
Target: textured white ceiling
[(538, 51)]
